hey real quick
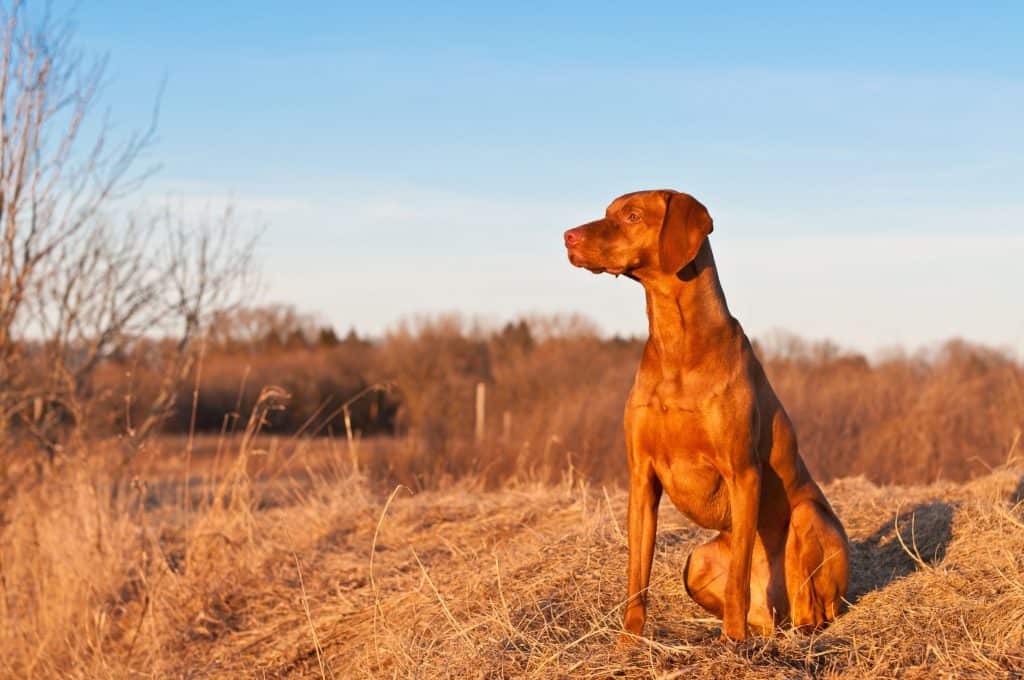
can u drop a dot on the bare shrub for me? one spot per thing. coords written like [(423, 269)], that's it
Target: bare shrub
[(950, 413), (83, 280)]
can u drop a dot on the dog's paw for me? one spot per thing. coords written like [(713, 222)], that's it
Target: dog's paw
[(627, 641), (633, 621), (734, 634)]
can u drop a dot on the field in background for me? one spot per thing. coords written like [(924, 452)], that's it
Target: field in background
[(555, 391), (278, 560)]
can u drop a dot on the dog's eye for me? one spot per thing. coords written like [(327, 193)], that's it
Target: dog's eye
[(633, 217)]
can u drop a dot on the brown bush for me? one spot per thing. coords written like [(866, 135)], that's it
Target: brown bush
[(555, 391), (949, 414)]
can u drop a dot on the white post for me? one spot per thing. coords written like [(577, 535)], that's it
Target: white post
[(481, 398)]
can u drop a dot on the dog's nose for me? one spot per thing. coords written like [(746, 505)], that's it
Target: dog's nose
[(573, 236)]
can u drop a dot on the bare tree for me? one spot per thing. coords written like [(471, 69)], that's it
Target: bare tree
[(81, 278), (264, 326)]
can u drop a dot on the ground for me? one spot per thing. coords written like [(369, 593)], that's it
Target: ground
[(329, 576)]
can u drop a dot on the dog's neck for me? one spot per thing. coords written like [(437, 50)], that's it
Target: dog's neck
[(687, 312)]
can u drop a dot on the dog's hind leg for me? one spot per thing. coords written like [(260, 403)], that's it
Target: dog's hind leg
[(817, 566), (705, 575)]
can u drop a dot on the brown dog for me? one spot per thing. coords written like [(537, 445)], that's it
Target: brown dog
[(703, 424)]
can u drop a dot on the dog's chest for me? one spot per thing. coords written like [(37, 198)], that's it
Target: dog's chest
[(698, 491), (681, 455)]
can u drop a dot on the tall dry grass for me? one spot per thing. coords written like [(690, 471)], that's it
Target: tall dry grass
[(310, 572)]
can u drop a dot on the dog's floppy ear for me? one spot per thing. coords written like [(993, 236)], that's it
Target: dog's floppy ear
[(687, 223)]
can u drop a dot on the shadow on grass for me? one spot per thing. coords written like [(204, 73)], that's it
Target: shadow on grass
[(1018, 494), (876, 561)]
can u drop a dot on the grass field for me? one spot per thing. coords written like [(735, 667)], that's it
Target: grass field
[(312, 572)]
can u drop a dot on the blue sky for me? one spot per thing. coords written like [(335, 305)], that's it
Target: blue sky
[(864, 165)]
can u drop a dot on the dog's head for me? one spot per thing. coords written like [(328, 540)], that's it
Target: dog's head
[(658, 230)]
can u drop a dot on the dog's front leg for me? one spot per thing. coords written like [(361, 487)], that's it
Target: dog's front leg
[(744, 499), (644, 496)]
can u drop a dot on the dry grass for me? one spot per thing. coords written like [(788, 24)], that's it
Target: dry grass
[(315, 574)]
